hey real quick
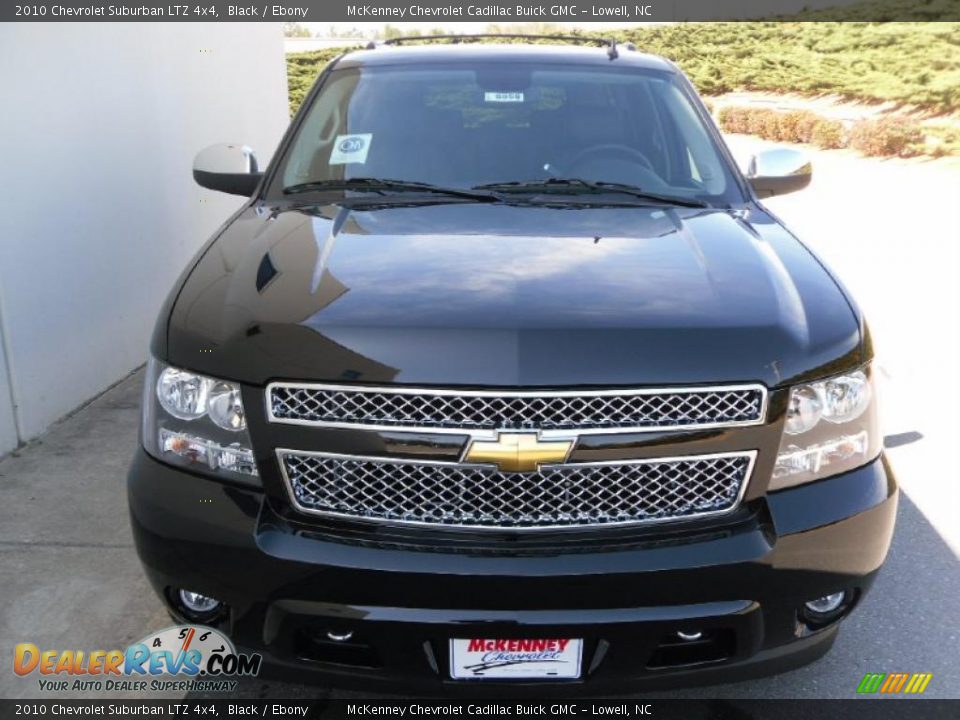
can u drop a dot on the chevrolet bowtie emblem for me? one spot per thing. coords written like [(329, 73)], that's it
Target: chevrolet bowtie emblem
[(518, 452)]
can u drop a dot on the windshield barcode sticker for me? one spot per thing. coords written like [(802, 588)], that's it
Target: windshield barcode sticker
[(503, 97)]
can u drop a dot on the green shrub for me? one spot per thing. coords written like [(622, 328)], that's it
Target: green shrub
[(763, 123), (753, 121), (870, 61), (887, 136), (733, 119), (769, 122), (942, 139), (914, 63), (302, 71), (865, 61), (828, 134), (797, 126)]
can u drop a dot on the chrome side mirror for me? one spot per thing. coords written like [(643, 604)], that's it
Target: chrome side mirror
[(779, 171), (228, 168)]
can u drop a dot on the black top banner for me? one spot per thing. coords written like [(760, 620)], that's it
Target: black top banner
[(489, 11)]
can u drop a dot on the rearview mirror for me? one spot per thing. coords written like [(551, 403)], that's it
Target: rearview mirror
[(779, 171), (228, 168)]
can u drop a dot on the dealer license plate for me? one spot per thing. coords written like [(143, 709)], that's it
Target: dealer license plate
[(486, 659)]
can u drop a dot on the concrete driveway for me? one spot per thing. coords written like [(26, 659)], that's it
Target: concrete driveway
[(69, 577)]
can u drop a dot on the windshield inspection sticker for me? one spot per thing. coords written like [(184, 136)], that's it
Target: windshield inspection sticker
[(350, 149), (503, 97)]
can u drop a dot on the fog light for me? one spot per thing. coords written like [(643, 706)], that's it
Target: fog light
[(689, 637), (826, 604), (198, 604)]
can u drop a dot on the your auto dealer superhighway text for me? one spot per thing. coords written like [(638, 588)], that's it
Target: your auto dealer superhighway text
[(515, 11)]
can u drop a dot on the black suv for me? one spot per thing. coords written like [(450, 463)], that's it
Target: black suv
[(504, 377)]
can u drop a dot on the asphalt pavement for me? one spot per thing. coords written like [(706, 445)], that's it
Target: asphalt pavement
[(69, 576)]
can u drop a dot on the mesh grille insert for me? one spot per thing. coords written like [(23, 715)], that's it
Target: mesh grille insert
[(379, 407), (572, 495)]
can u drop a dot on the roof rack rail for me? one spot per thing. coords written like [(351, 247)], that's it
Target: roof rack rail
[(610, 43)]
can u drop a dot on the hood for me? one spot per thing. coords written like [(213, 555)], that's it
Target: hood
[(498, 295)]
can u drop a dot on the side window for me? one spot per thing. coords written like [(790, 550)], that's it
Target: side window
[(327, 119)]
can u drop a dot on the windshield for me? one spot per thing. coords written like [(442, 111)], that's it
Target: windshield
[(475, 125)]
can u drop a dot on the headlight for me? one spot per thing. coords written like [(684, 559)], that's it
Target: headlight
[(831, 428), (183, 394), (845, 398), (196, 422), (804, 410), (225, 407)]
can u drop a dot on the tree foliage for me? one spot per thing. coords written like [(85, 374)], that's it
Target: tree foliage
[(295, 30)]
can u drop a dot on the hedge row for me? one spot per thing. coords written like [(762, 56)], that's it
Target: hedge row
[(916, 64), (887, 136), (302, 71), (884, 137)]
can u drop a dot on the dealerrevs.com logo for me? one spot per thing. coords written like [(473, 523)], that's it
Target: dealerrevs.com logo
[(194, 656)]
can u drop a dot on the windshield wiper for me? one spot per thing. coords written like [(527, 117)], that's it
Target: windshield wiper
[(384, 186), (577, 186)]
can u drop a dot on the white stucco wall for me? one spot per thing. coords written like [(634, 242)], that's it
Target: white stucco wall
[(8, 430), (98, 209)]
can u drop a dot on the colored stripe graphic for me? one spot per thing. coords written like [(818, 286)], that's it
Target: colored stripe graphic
[(918, 683), (871, 682), (893, 683), (889, 682)]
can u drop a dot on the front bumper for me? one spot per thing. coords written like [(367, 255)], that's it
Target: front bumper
[(741, 584)]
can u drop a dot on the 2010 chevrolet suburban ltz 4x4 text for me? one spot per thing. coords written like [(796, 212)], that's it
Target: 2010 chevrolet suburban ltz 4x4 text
[(503, 379)]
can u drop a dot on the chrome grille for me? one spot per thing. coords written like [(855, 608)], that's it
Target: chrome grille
[(452, 411), (558, 496)]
